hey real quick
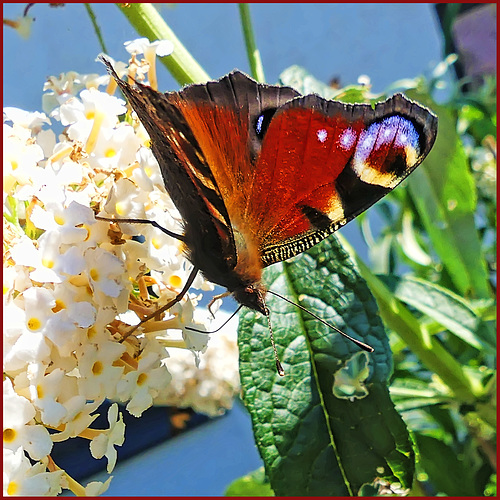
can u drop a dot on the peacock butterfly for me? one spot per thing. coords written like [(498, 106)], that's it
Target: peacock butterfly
[(260, 173)]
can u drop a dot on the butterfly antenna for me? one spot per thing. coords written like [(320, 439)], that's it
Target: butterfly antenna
[(363, 346), (220, 327)]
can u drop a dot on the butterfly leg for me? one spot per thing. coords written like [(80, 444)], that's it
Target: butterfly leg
[(144, 221), (217, 297), (175, 300)]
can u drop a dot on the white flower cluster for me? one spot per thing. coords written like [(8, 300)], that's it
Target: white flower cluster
[(73, 285)]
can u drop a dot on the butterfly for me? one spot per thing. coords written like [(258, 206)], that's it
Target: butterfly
[(260, 173)]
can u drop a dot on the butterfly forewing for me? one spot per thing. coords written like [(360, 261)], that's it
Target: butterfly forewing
[(326, 162)]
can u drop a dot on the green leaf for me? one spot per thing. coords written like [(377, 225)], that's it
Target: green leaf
[(448, 309), (430, 352), (444, 194), (254, 484), (411, 393), (409, 241), (447, 472), (328, 426)]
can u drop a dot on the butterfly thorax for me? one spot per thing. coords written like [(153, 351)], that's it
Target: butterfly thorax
[(240, 271), (248, 271)]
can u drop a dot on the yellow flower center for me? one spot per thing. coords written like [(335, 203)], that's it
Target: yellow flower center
[(121, 208), (141, 379), (59, 220), (34, 324), (90, 115), (12, 488), (9, 435), (60, 305), (48, 263), (97, 368), (175, 281), (156, 242)]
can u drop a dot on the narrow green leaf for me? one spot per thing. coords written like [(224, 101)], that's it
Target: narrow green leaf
[(409, 242), (443, 191), (448, 309), (328, 426), (410, 394), (253, 53), (148, 23)]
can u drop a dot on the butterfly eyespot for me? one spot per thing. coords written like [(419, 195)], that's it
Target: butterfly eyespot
[(262, 122)]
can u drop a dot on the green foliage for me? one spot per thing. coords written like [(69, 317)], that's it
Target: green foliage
[(328, 426), (254, 484), (445, 198), (441, 312)]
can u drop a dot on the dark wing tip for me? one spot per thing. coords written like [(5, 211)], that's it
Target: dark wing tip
[(108, 65)]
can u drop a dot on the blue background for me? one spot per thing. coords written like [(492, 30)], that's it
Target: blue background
[(387, 42)]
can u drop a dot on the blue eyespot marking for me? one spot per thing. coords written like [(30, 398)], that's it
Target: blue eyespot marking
[(393, 130), (258, 125)]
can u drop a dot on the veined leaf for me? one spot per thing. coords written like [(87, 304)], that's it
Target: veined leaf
[(316, 436)]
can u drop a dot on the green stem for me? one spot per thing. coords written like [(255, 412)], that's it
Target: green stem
[(397, 317), (148, 23), (253, 53), (97, 28)]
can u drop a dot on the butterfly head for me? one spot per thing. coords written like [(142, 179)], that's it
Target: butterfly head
[(252, 296)]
